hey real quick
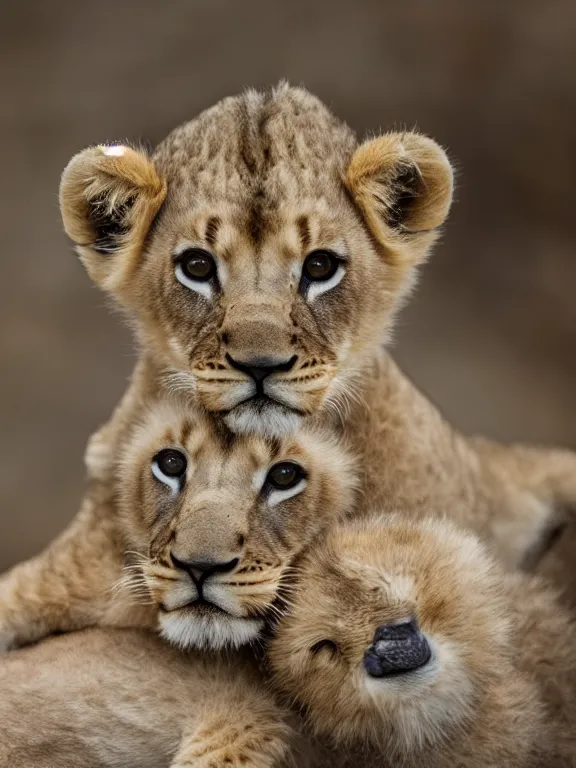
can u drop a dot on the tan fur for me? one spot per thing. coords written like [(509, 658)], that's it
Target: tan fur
[(273, 192), (290, 178), (115, 565), (123, 698), (97, 185), (498, 691)]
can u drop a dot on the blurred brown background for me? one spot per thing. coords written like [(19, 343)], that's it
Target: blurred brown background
[(490, 334)]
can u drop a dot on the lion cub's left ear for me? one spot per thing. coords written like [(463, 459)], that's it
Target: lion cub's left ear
[(109, 196), (402, 183)]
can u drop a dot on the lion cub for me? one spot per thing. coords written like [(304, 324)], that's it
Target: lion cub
[(124, 699), (404, 643), (196, 535), (262, 253)]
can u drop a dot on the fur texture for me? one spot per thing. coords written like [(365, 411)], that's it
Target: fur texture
[(497, 690), (123, 699)]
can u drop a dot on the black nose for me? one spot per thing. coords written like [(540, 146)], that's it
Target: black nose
[(200, 570), (396, 649), (261, 367)]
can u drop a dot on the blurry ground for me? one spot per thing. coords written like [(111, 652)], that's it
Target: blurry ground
[(491, 333)]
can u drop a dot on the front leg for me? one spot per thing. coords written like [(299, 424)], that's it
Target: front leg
[(238, 725), (68, 586)]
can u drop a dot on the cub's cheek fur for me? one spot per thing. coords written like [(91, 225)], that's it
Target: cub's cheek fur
[(109, 197), (403, 185)]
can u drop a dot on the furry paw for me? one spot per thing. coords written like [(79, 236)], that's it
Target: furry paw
[(214, 761), (265, 752), (224, 759), (247, 734)]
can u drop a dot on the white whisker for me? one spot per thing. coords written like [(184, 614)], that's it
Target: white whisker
[(133, 584)]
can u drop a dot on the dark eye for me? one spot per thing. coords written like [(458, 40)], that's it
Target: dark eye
[(320, 265), (325, 645), (285, 475), (197, 264), (170, 462)]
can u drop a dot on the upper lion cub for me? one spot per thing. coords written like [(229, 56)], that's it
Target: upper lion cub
[(261, 254)]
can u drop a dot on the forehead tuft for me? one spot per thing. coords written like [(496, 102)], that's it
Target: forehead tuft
[(274, 145)]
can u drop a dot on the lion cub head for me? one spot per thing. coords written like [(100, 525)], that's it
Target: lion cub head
[(393, 631), (216, 519), (261, 252)]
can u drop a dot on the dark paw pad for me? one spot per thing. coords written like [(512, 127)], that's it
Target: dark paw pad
[(396, 649)]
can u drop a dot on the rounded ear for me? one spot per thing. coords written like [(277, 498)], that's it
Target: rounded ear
[(109, 197), (402, 183)]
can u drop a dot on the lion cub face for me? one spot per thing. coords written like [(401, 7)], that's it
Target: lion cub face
[(260, 251), (217, 519), (392, 631)]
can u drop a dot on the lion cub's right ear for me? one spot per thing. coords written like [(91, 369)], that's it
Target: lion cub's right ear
[(402, 183), (109, 196)]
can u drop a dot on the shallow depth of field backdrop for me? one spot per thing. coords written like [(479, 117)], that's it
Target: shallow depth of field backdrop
[(490, 335)]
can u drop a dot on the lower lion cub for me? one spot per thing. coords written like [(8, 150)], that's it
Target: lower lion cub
[(403, 642), (195, 537)]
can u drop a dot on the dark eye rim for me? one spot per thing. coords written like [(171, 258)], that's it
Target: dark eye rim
[(181, 257), (158, 456), (325, 645), (301, 474), (337, 262)]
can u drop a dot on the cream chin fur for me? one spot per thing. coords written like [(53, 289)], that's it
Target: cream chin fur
[(209, 632), (245, 419)]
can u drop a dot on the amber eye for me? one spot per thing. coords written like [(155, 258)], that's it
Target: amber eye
[(320, 265), (170, 462), (285, 475), (197, 264)]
